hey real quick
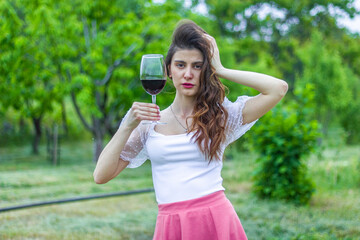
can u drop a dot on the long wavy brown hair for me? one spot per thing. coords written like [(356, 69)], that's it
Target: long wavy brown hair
[(209, 118)]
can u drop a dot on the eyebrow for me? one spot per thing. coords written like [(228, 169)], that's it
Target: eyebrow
[(181, 61)]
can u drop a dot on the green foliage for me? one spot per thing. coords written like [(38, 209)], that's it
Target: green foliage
[(89, 52), (14, 129), (244, 18), (30, 74), (337, 86), (304, 41), (350, 119), (349, 48), (284, 137), (332, 84)]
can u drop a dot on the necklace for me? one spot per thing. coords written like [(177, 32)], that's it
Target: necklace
[(178, 119)]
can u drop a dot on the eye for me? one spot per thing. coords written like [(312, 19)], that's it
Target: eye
[(198, 66), (180, 65)]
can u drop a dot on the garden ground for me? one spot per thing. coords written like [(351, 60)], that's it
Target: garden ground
[(333, 212)]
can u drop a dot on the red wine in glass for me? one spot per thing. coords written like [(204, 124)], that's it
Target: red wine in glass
[(153, 75), (153, 86)]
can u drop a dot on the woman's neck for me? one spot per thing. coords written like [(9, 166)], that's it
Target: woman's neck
[(183, 106)]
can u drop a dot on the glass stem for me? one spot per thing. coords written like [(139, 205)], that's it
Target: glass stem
[(153, 99)]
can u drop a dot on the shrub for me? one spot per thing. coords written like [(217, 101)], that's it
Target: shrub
[(283, 138)]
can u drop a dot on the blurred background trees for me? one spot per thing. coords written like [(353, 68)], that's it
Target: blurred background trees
[(75, 64)]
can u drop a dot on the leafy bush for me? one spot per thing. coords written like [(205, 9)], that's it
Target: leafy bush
[(283, 138)]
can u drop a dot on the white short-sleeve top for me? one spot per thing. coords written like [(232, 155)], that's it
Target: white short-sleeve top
[(180, 170)]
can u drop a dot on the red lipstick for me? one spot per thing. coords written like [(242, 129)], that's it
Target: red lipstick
[(187, 85)]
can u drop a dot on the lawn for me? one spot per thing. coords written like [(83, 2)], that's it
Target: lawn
[(333, 212)]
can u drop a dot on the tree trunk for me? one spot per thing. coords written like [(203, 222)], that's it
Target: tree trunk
[(98, 146), (327, 116), (98, 134), (55, 146), (22, 127), (64, 118), (37, 135)]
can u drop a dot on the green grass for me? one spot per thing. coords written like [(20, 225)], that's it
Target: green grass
[(333, 212)]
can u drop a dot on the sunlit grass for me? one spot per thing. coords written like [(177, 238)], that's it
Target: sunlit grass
[(332, 213), (131, 217)]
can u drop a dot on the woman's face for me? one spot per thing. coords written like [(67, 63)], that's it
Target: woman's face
[(185, 70)]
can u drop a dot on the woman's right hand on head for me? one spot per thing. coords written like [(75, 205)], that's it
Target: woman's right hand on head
[(142, 111), (215, 60)]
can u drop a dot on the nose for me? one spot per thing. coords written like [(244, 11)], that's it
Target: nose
[(188, 74)]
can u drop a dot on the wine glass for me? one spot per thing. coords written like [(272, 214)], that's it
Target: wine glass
[(153, 76)]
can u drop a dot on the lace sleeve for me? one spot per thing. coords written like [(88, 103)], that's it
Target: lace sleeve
[(134, 150), (235, 126)]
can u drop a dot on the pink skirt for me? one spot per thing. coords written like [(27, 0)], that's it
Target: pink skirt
[(211, 217)]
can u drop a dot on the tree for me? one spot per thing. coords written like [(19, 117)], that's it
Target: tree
[(349, 50), (30, 83), (284, 25), (278, 18), (332, 79), (89, 50), (103, 72), (284, 29)]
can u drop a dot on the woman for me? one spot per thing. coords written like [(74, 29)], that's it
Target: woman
[(186, 153)]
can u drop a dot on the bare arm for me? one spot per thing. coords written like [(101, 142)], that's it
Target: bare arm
[(271, 89), (109, 164)]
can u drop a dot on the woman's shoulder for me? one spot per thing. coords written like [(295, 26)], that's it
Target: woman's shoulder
[(239, 102)]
